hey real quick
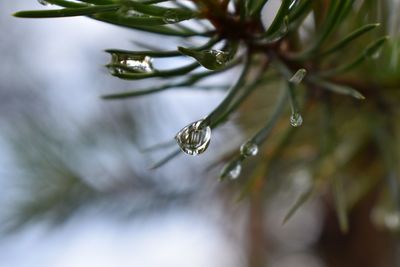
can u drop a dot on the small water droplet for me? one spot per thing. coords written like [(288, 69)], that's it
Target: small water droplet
[(171, 16), (235, 171), (298, 77), (232, 170), (377, 54), (296, 119), (44, 2), (249, 149), (210, 59), (221, 57), (194, 138), (130, 63), (125, 11)]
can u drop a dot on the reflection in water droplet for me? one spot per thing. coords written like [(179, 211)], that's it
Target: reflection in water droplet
[(298, 76), (234, 172), (194, 138), (221, 57), (44, 2), (129, 63), (296, 120), (249, 149), (170, 17)]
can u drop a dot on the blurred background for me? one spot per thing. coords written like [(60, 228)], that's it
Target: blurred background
[(77, 187)]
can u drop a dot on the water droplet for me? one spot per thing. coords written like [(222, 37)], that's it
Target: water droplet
[(170, 17), (298, 76), (221, 57), (210, 59), (44, 2), (296, 120), (125, 11), (377, 54), (128, 63), (232, 170), (249, 149), (235, 172), (194, 138)]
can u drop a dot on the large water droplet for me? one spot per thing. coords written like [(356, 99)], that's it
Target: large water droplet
[(298, 76), (296, 119), (43, 2), (249, 149), (121, 63), (194, 138)]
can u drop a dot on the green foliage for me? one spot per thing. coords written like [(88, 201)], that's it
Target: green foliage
[(331, 57)]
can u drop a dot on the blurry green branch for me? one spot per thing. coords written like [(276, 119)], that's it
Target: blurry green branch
[(336, 54)]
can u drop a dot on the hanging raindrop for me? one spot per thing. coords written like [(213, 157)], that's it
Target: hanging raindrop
[(194, 138), (121, 63), (210, 59), (249, 149), (296, 119)]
